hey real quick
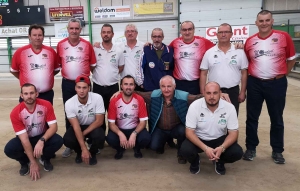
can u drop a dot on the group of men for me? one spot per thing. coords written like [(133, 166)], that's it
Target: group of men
[(208, 125)]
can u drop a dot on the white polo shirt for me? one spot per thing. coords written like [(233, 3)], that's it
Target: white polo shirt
[(106, 72), (211, 125), (86, 114), (224, 69), (132, 58)]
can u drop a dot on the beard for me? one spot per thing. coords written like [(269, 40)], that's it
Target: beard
[(212, 104), (128, 93)]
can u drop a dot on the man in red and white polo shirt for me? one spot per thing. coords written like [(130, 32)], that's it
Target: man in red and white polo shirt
[(127, 117), (271, 56), (188, 53), (34, 138), (76, 57), (36, 63)]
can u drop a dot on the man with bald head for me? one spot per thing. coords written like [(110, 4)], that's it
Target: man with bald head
[(212, 128)]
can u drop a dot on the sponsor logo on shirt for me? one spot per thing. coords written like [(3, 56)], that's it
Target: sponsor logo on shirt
[(33, 125), (125, 116), (186, 54), (91, 112), (233, 57), (137, 54), (222, 122), (259, 53), (113, 58), (222, 115), (72, 59), (37, 66)]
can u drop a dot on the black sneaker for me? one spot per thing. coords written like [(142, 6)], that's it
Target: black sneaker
[(160, 150), (119, 154), (195, 167), (278, 158), (249, 155), (24, 170), (220, 168), (47, 165), (93, 160), (181, 160), (171, 143), (78, 158), (137, 153)]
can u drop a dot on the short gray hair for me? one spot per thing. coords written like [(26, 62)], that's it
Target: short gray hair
[(167, 76), (158, 29), (131, 25), (74, 20)]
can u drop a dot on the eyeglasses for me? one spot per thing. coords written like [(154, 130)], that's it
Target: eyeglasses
[(224, 32), (156, 36), (189, 29), (130, 31)]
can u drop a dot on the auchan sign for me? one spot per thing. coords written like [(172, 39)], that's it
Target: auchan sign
[(240, 34)]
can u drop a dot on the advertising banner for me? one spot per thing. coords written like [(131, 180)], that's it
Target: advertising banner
[(112, 12), (13, 31), (153, 8), (65, 13), (240, 34)]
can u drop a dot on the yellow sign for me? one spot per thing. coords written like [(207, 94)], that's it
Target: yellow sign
[(153, 8)]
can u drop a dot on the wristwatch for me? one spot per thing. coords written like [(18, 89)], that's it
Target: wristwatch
[(223, 148), (135, 132), (42, 139)]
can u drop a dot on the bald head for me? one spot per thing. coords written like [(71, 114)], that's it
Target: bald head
[(212, 84)]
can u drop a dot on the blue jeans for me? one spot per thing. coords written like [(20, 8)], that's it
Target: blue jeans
[(68, 91), (159, 137), (274, 93), (15, 150)]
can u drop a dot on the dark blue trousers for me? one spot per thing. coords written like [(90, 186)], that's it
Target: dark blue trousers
[(274, 93), (15, 150), (68, 91), (192, 87), (142, 139)]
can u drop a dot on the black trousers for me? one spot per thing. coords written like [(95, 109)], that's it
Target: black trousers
[(233, 93), (190, 151), (96, 138)]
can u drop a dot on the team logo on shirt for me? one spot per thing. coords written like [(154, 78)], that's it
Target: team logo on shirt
[(40, 113), (222, 122), (44, 56), (196, 44), (113, 58), (275, 40), (37, 66), (222, 115), (233, 62), (137, 54), (80, 48), (134, 106), (233, 57), (33, 125), (91, 112), (72, 59), (186, 54), (151, 64), (125, 116), (259, 53)]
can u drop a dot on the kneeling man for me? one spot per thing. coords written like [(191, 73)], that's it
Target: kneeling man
[(127, 117), (211, 127), (85, 111), (34, 138)]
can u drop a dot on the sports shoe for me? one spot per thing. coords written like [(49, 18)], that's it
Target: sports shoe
[(24, 170), (137, 153), (119, 154), (195, 167), (249, 155), (181, 160), (99, 150), (78, 158), (47, 164), (67, 152), (93, 160), (278, 158), (171, 143), (220, 168)]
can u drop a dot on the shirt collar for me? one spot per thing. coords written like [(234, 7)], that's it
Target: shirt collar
[(218, 50)]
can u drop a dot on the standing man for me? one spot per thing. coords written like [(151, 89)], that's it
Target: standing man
[(76, 57), (271, 56), (34, 138), (188, 53), (85, 112), (157, 61), (133, 50), (36, 63), (211, 127), (127, 117), (227, 66), (110, 63)]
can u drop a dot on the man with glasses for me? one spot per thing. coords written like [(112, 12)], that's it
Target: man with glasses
[(133, 50), (157, 62), (188, 54), (76, 57), (227, 66), (271, 56)]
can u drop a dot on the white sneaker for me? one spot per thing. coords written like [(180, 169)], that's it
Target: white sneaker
[(67, 152)]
